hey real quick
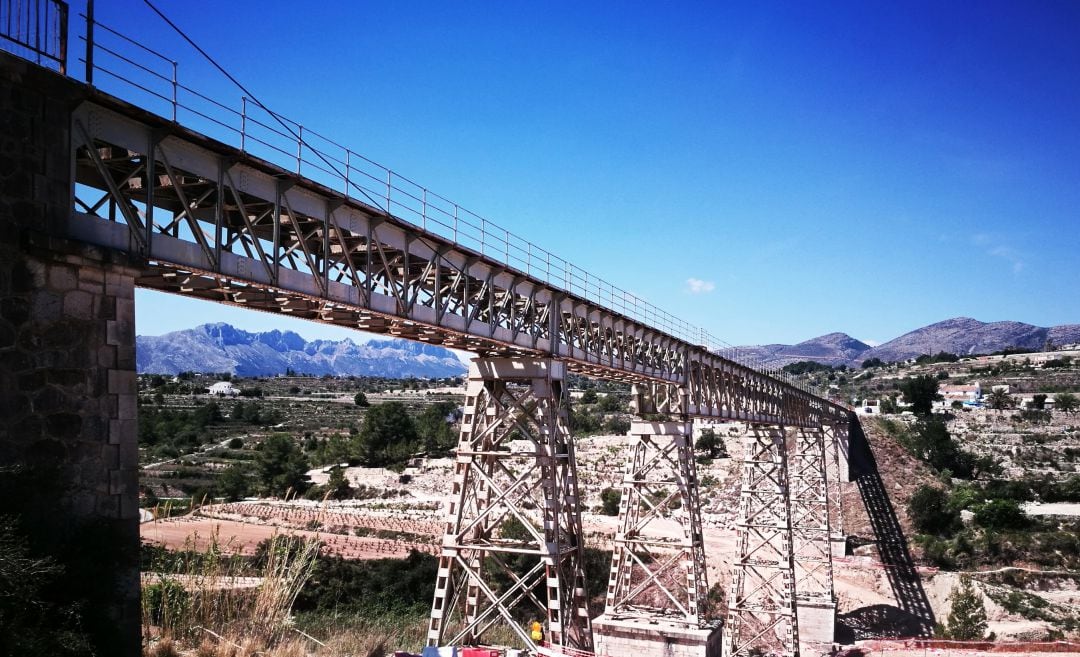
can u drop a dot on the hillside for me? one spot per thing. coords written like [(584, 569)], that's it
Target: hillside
[(223, 348), (830, 349), (963, 335), (960, 335)]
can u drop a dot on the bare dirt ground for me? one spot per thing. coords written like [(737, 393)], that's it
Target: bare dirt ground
[(411, 516), (235, 537)]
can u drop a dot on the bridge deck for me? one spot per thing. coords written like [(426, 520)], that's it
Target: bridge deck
[(215, 222)]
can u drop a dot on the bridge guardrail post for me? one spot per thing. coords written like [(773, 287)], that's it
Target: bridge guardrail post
[(89, 59), (299, 147), (175, 65), (348, 165), (389, 186)]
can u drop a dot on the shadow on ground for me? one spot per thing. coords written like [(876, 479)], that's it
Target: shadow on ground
[(877, 621), (912, 615)]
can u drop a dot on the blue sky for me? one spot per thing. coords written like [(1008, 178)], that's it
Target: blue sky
[(770, 171)]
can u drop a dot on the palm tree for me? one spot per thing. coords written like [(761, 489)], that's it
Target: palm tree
[(1065, 401), (999, 399)]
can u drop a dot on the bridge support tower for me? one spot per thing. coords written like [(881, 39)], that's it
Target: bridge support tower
[(811, 537), (513, 547), (762, 604), (657, 598)]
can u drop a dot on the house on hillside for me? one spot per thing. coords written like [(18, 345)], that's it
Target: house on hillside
[(224, 389), (968, 395)]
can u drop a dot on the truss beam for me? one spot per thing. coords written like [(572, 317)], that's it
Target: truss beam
[(192, 207)]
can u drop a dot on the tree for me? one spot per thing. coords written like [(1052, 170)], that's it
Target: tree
[(1001, 515), (610, 498), (588, 397), (338, 485), (611, 403), (617, 426), (435, 427), (1038, 402), (872, 362), (281, 465), (930, 441), (387, 436), (234, 483), (967, 615), (1065, 401), (929, 510), (709, 443), (921, 392), (999, 399), (889, 406), (361, 400)]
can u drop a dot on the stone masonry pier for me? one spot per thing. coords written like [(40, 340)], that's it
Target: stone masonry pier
[(68, 441)]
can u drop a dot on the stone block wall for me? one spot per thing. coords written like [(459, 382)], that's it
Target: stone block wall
[(68, 438)]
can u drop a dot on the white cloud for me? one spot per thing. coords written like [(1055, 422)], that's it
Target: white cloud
[(698, 286)]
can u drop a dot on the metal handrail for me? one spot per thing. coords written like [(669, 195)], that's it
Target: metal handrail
[(288, 143), (36, 27)]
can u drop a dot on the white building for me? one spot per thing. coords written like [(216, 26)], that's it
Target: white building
[(965, 394), (224, 389)]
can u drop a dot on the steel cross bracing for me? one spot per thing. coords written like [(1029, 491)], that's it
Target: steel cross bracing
[(654, 576), (809, 504), (513, 549), (836, 436), (214, 222), (762, 604)]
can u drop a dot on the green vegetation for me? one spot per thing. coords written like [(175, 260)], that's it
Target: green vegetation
[(967, 615), (1066, 401), (809, 367), (929, 511), (610, 498), (999, 399), (929, 440), (711, 444), (921, 392), (595, 414), (281, 466), (388, 435)]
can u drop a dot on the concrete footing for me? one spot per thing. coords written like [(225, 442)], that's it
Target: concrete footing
[(838, 545), (817, 621), (642, 638)]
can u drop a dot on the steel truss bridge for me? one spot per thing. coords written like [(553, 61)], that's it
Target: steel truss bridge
[(271, 216)]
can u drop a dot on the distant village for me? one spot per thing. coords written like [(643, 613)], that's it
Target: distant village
[(972, 394)]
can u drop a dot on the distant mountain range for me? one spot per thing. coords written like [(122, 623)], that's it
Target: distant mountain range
[(223, 348), (961, 336)]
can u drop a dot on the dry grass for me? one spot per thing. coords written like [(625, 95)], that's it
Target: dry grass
[(200, 608)]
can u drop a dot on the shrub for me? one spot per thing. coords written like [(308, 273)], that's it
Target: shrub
[(1001, 515), (610, 498), (930, 511)]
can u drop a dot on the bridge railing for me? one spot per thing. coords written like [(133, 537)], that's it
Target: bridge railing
[(35, 30), (134, 71)]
